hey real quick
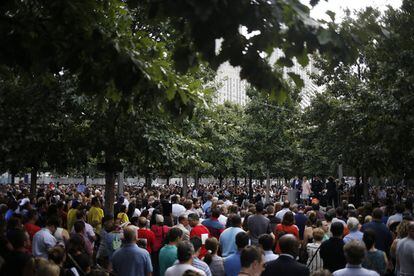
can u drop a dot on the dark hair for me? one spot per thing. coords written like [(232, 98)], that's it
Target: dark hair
[(53, 221), (79, 226), (83, 260), (174, 199), (215, 213), (377, 214), (337, 229), (288, 218), (212, 246), (80, 214), (266, 241), (196, 242), (286, 204), (250, 254), (76, 244), (234, 220), (193, 216), (185, 250), (56, 254), (259, 207), (17, 237), (131, 210), (122, 208), (400, 208), (369, 238), (242, 240), (174, 234)]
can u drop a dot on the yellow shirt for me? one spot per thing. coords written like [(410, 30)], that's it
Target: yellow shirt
[(123, 217), (71, 218), (94, 218)]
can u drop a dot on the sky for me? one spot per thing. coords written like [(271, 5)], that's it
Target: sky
[(337, 6)]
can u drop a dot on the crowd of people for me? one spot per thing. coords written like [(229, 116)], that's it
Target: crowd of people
[(212, 230)]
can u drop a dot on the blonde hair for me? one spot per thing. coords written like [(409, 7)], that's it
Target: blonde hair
[(318, 234)]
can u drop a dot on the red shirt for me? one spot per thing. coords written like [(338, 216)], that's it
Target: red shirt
[(160, 234), (31, 229), (280, 228), (198, 231), (148, 235)]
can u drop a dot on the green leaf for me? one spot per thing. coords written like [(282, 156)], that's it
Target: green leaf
[(331, 14), (297, 79)]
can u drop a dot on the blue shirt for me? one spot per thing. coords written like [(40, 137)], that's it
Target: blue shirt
[(130, 260), (199, 264), (232, 264), (383, 238), (354, 270), (207, 207), (354, 235), (228, 241)]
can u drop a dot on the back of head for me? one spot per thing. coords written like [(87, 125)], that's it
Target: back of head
[(130, 234), (286, 204), (17, 237), (215, 213), (352, 224), (377, 214), (174, 234), (56, 254), (259, 207), (235, 220), (193, 217), (249, 255), (270, 210), (354, 252), (242, 240), (266, 241), (337, 229), (79, 226), (196, 242), (289, 244), (142, 222), (185, 251), (288, 218), (318, 234), (369, 238), (44, 267)]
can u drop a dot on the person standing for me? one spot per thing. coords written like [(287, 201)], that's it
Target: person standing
[(317, 187), (252, 261), (375, 259), (213, 225), (306, 190), (228, 237), (354, 233), (383, 236), (130, 260), (355, 254), (331, 251), (332, 192), (43, 240), (185, 253), (232, 264), (182, 225), (95, 215), (286, 264), (168, 253), (405, 253), (198, 230), (258, 224), (145, 234)]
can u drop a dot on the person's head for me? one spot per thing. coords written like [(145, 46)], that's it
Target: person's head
[(174, 199), (369, 238), (400, 208), (212, 246), (259, 207), (122, 208), (57, 255), (81, 214), (377, 214), (18, 238), (183, 219), (352, 224), (251, 259), (130, 235), (266, 241), (52, 224), (411, 230), (185, 251), (354, 252), (76, 244), (318, 234), (159, 219), (235, 220), (270, 210), (322, 272), (174, 235), (95, 202), (242, 240), (325, 226), (188, 204), (337, 229), (32, 216), (79, 227), (289, 245), (215, 213), (142, 222), (45, 267), (193, 219), (286, 204), (288, 218)]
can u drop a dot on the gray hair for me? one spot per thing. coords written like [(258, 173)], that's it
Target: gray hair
[(352, 224)]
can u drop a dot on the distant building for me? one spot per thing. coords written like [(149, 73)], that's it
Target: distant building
[(233, 89)]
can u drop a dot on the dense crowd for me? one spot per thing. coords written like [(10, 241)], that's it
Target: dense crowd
[(211, 230)]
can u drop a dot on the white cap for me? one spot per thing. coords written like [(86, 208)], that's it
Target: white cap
[(24, 201)]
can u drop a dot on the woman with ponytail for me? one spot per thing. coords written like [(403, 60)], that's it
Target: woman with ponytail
[(214, 261)]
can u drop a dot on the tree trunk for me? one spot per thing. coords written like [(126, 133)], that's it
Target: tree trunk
[(185, 184), (121, 183), (85, 179), (196, 180), (235, 179), (168, 181), (109, 192), (33, 181), (267, 186), (148, 181), (13, 176), (366, 186), (250, 186), (220, 181)]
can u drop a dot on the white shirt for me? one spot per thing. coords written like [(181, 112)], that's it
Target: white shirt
[(270, 256), (177, 210), (282, 212), (43, 240), (179, 269), (222, 219)]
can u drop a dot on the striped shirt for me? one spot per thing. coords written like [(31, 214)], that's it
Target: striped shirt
[(199, 264), (317, 262)]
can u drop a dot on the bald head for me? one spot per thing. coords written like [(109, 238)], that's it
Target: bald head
[(289, 244), (130, 235)]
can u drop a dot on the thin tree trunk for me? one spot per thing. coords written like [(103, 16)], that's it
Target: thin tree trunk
[(109, 192), (196, 180), (33, 181), (267, 186), (85, 179), (235, 179), (220, 181), (250, 186), (148, 181), (168, 181), (185, 184), (13, 176)]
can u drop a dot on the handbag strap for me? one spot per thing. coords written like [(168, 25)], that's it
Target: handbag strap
[(314, 255), (76, 264)]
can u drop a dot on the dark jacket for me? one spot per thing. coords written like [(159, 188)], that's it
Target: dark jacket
[(332, 254), (284, 265)]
